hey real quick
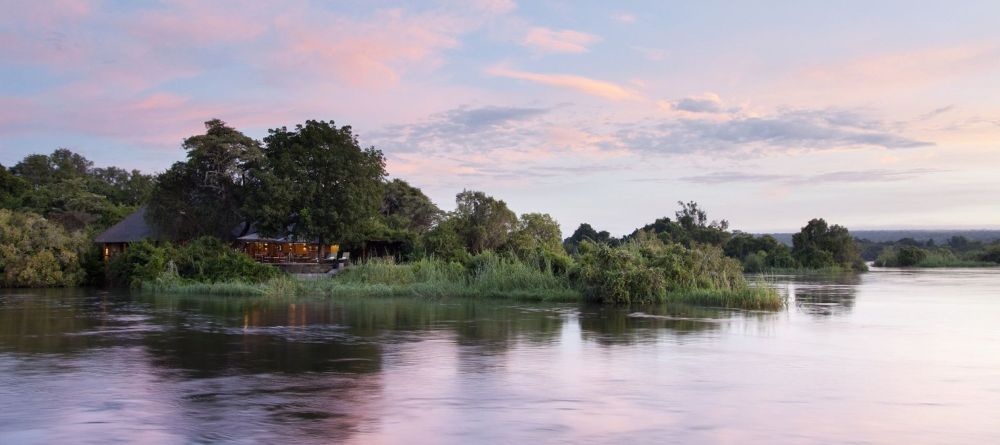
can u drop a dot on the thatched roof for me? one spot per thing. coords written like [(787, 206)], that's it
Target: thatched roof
[(131, 229)]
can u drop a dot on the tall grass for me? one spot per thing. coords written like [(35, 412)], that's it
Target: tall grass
[(486, 275), (756, 298)]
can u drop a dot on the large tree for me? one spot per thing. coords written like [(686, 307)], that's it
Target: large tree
[(66, 188), (820, 245), (483, 222), (206, 194), (317, 182), (405, 207)]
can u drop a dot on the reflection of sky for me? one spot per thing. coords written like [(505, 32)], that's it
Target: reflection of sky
[(909, 362), (860, 112)]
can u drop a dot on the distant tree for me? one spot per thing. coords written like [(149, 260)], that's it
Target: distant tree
[(536, 233), (206, 194), (405, 207), (959, 243), (819, 245), (910, 255), (66, 188), (758, 253), (587, 232), (317, 182), (131, 188), (690, 227), (484, 223), (11, 189)]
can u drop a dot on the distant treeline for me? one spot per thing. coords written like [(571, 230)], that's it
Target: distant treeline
[(938, 236)]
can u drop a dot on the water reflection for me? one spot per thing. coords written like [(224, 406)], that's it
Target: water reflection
[(91, 366), (823, 295)]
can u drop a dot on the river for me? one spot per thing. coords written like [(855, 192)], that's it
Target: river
[(887, 357)]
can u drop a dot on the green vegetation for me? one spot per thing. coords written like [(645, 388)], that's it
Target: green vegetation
[(206, 194), (35, 252), (958, 251), (204, 260), (316, 183), (819, 245), (912, 256), (648, 270), (66, 188)]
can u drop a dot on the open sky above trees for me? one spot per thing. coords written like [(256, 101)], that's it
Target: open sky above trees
[(870, 115)]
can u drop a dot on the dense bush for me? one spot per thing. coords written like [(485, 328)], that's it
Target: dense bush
[(205, 260), (819, 246), (911, 256), (35, 252), (646, 269)]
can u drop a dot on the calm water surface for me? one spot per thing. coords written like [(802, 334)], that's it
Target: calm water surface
[(888, 357)]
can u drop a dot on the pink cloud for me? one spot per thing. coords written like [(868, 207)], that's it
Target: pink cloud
[(908, 68), (564, 41), (593, 87)]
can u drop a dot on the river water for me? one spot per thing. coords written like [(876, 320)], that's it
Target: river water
[(891, 356)]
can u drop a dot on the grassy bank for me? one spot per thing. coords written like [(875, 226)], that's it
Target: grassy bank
[(491, 276), (915, 257)]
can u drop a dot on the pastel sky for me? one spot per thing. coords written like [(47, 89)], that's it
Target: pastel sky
[(870, 114)]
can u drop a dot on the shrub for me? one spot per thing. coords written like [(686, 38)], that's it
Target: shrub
[(205, 260), (141, 261), (35, 252)]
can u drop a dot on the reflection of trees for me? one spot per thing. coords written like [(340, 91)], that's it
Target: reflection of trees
[(824, 295), (60, 320), (613, 325), (617, 325)]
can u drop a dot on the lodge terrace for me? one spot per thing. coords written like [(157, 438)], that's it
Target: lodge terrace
[(290, 255)]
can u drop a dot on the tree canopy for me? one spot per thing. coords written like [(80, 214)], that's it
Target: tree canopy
[(206, 194), (316, 182), (483, 222), (405, 207), (819, 245)]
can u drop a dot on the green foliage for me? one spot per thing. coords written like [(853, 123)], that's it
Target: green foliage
[(65, 188), (760, 253), (646, 270), (443, 242), (316, 182), (204, 260), (911, 256), (12, 188), (483, 223), (819, 245), (405, 207), (587, 232), (209, 260), (487, 274), (140, 262), (991, 254), (35, 252), (691, 227), (206, 194)]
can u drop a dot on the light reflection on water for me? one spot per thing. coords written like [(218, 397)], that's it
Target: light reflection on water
[(890, 356)]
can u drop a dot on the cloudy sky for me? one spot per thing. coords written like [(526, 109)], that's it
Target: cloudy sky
[(870, 114)]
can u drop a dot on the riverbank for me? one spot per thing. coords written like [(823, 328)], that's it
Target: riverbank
[(497, 278)]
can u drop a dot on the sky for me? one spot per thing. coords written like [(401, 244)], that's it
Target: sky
[(869, 114)]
